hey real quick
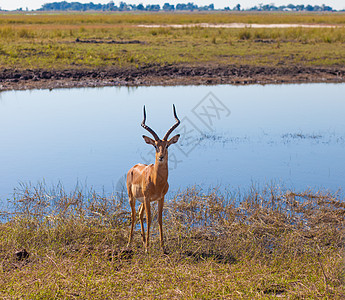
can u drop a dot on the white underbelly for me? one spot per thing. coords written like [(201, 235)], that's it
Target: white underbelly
[(141, 199), (138, 193)]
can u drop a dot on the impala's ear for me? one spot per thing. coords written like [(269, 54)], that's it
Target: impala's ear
[(173, 140), (149, 140)]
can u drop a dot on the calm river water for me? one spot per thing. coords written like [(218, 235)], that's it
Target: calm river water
[(231, 136)]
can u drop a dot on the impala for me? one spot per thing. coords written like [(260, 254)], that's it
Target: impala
[(148, 183)]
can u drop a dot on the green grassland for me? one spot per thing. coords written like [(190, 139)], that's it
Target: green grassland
[(261, 245), (48, 41)]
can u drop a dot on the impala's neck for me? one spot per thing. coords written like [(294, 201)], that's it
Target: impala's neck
[(160, 171)]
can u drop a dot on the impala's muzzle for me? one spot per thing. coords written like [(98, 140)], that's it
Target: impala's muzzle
[(161, 158)]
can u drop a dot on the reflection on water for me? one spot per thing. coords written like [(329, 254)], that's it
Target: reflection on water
[(230, 135)]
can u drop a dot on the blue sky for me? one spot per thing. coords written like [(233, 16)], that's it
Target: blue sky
[(34, 4)]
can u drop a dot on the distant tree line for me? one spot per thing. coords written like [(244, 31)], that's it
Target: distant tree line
[(291, 7), (77, 6)]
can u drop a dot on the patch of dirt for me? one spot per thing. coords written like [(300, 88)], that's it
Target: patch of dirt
[(108, 42), (11, 79)]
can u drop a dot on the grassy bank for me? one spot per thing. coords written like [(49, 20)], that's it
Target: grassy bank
[(48, 41), (264, 244)]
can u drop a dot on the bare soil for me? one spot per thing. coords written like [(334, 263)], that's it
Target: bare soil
[(11, 79)]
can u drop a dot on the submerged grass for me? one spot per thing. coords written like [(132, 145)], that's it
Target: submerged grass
[(48, 41), (263, 244)]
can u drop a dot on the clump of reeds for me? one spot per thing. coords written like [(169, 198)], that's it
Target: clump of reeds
[(266, 222), (270, 221), (276, 241)]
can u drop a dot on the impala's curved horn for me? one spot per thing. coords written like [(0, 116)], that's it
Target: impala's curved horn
[(148, 128), (172, 128)]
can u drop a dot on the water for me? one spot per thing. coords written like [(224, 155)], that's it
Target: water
[(231, 136)]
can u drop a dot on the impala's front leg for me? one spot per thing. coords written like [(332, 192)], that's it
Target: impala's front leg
[(148, 220), (160, 217), (141, 216)]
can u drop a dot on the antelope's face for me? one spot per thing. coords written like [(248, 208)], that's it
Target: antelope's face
[(161, 146)]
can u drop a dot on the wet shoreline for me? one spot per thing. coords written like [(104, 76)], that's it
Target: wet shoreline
[(166, 76)]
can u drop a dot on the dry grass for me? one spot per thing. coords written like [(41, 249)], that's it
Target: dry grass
[(264, 244)]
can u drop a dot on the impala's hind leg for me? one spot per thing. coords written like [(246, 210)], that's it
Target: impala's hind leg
[(132, 204), (141, 216)]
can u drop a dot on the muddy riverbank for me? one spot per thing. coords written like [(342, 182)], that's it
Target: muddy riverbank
[(166, 75)]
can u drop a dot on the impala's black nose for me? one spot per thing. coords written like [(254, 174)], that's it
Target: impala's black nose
[(161, 158)]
